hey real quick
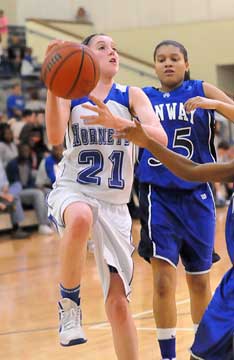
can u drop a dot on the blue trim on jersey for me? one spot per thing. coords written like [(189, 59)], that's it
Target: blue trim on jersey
[(116, 94), (190, 135), (229, 231)]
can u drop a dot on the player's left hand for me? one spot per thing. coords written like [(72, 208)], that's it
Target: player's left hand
[(136, 134), (104, 116), (200, 102)]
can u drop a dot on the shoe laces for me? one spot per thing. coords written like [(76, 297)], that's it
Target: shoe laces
[(71, 318)]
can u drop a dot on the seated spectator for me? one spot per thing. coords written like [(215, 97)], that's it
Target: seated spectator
[(16, 52), (28, 120), (10, 202), (15, 103), (29, 66), (38, 148), (223, 192), (8, 149), (46, 174), (40, 119), (34, 103), (20, 170), (28, 117)]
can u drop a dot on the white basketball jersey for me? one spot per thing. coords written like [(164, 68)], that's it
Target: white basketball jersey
[(100, 165)]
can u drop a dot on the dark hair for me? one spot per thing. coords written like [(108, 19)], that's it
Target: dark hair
[(27, 112), (180, 47), (87, 40), (224, 145)]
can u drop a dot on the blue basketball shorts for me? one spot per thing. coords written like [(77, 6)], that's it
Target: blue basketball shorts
[(214, 337), (178, 223)]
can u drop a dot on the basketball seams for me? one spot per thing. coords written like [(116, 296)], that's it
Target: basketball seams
[(68, 72), (78, 74), (94, 67), (48, 57), (60, 65)]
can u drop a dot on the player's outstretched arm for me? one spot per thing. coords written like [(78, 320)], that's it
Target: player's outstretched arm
[(57, 110), (215, 99), (57, 114), (140, 106), (179, 165)]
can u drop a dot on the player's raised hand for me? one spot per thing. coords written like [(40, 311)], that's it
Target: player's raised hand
[(103, 115), (136, 134), (200, 102)]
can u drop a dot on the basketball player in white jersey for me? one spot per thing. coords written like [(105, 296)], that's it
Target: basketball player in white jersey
[(91, 192)]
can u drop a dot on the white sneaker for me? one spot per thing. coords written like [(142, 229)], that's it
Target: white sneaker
[(45, 230), (70, 332)]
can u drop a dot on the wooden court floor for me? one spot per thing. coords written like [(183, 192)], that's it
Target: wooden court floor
[(28, 295)]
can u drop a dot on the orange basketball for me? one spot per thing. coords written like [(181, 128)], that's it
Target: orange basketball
[(70, 70)]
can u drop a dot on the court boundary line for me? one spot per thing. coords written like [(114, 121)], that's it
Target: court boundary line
[(106, 326)]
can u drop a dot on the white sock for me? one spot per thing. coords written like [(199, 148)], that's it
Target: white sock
[(195, 327)]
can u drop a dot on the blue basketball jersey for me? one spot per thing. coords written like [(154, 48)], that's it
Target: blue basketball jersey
[(189, 134)]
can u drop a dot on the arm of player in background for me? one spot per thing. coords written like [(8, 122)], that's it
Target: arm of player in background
[(215, 99), (57, 115), (178, 164)]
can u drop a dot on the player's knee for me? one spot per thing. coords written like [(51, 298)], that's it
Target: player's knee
[(163, 285), (79, 222), (117, 309), (199, 285)]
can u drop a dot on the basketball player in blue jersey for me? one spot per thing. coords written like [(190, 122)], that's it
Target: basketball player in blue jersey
[(214, 337), (177, 216), (91, 191)]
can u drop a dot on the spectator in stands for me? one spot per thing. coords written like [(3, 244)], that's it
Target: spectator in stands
[(35, 103), (20, 170), (10, 202), (28, 117), (48, 167), (40, 119), (15, 103), (1, 49), (82, 16), (38, 148), (3, 29), (29, 66), (16, 51), (223, 192), (8, 149), (28, 120)]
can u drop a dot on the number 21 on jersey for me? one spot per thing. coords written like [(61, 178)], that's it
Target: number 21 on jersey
[(95, 162)]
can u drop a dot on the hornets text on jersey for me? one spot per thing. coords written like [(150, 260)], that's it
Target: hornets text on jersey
[(100, 164)]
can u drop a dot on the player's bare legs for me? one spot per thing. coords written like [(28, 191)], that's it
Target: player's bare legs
[(200, 294), (78, 219), (123, 328), (164, 304)]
